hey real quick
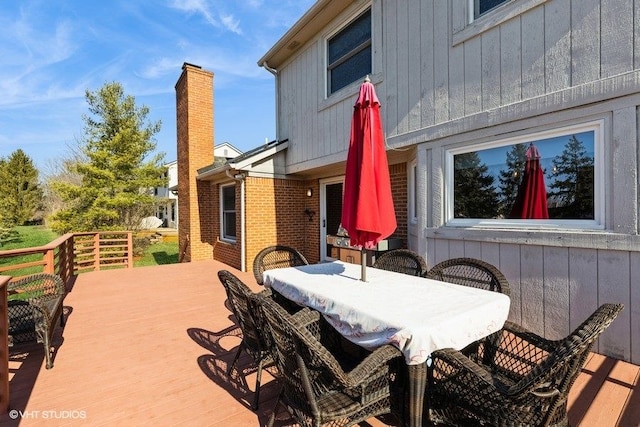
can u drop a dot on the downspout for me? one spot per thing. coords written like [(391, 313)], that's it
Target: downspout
[(277, 107), (240, 178)]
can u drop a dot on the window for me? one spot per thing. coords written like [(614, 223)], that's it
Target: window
[(228, 212), (349, 54), (480, 7), (413, 191), (492, 183)]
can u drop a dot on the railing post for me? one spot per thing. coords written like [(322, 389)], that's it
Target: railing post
[(49, 260), (130, 249), (96, 252), (4, 347)]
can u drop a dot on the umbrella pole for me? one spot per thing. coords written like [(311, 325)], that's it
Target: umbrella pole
[(363, 257)]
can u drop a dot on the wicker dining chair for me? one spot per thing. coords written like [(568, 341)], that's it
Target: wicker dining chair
[(242, 306), (278, 256), (402, 261), (470, 272), (321, 385), (526, 382)]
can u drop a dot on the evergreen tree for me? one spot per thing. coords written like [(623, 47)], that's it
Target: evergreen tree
[(117, 168), (20, 189), (572, 182), (474, 193), (511, 177)]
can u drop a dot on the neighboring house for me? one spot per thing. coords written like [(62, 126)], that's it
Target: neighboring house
[(463, 85), (167, 197)]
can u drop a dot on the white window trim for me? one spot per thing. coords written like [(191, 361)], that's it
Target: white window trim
[(598, 223), (222, 210), (411, 179), (491, 19)]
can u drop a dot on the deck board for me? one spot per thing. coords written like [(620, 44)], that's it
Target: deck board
[(151, 346)]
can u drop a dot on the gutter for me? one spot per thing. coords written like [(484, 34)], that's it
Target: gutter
[(277, 97)]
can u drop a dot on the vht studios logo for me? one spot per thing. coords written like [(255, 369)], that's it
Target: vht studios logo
[(50, 415)]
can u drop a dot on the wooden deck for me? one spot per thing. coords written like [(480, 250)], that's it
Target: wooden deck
[(151, 346)]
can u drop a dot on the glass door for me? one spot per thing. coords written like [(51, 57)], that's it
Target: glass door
[(330, 213)]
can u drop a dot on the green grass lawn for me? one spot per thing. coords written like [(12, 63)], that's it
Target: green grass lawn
[(34, 236), (30, 236), (158, 254)]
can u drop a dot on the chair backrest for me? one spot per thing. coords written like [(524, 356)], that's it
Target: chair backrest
[(555, 369), (307, 369), (402, 261), (470, 272), (278, 256), (244, 310)]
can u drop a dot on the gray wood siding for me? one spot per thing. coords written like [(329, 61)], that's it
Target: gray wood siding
[(443, 82), (423, 79), (549, 282)]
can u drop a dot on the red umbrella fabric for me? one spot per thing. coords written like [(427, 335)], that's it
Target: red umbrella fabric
[(531, 201), (368, 214)]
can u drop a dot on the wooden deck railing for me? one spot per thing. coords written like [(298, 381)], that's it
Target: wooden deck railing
[(71, 254), (66, 256)]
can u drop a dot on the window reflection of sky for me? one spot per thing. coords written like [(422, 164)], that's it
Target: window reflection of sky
[(496, 158)]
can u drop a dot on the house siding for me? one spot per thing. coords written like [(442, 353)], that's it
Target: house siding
[(531, 65)]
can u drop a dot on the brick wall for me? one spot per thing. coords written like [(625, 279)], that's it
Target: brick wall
[(398, 176), (275, 215), (194, 118)]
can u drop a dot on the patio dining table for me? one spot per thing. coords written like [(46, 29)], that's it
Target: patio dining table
[(416, 314)]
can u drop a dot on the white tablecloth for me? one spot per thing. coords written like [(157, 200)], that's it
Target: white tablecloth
[(415, 314)]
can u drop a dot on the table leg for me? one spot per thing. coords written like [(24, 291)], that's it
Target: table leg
[(417, 386)]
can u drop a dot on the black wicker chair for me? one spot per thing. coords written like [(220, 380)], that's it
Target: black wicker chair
[(470, 272), (525, 383), (245, 312), (278, 256), (402, 261), (35, 303), (322, 384)]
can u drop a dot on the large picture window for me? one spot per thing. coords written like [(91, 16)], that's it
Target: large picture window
[(550, 179), (228, 212), (349, 54)]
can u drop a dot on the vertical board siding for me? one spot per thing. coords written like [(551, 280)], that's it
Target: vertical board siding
[(624, 149), (533, 58), (556, 292), (614, 286), (427, 76), (557, 45), (554, 289), (585, 44), (426, 80), (617, 37), (490, 69), (510, 62)]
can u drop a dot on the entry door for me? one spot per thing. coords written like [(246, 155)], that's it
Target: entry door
[(330, 212)]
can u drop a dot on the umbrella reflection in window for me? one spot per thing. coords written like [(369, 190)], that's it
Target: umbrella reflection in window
[(531, 201)]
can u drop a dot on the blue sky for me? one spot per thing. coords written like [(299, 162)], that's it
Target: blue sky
[(51, 52)]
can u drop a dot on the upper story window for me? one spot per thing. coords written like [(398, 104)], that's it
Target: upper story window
[(480, 7), (349, 54), (548, 180), (228, 212)]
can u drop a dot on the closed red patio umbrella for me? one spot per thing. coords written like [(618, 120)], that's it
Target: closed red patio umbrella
[(368, 214), (531, 201)]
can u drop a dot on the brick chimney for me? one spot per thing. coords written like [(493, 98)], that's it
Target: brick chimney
[(194, 122)]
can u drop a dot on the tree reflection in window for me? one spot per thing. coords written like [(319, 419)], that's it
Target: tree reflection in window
[(486, 181)]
